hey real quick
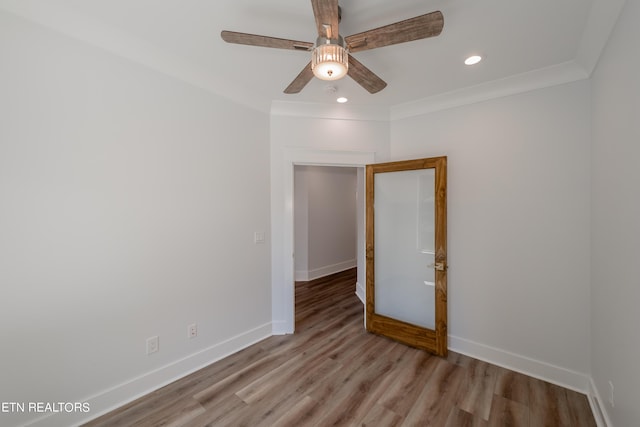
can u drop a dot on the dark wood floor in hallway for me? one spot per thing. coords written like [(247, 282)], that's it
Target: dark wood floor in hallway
[(331, 372)]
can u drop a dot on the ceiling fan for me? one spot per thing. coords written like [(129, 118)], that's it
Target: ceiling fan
[(331, 57)]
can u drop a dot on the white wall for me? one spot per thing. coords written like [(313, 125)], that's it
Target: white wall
[(307, 140), (331, 233), (615, 207), (518, 226), (129, 205)]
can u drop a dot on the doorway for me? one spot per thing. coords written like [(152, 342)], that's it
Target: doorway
[(329, 223), (283, 290)]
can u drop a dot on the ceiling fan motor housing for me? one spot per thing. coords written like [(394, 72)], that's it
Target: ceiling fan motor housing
[(329, 59)]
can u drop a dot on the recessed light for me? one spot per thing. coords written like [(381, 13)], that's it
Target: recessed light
[(472, 60), (342, 100)]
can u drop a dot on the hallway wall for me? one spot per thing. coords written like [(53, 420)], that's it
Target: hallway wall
[(325, 220)]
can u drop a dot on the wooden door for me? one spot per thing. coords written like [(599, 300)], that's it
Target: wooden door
[(406, 252)]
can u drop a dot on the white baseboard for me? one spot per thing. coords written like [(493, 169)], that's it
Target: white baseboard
[(554, 374), (331, 269), (117, 396), (305, 276), (598, 406), (360, 292)]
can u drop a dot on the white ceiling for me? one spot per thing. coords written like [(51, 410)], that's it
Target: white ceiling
[(529, 39)]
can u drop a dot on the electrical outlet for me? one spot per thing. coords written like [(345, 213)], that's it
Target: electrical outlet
[(153, 344), (611, 401), (192, 330)]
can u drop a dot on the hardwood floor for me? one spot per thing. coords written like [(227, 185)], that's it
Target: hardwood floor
[(333, 373)]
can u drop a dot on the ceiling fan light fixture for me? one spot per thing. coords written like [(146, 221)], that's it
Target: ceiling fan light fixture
[(329, 60)]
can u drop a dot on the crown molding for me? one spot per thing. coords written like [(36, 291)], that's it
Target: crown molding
[(537, 79), (600, 24), (329, 111)]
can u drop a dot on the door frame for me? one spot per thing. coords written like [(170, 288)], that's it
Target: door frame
[(284, 293)]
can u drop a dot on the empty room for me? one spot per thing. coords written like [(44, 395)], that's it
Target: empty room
[(159, 260)]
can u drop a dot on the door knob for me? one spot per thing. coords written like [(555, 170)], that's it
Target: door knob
[(440, 266)]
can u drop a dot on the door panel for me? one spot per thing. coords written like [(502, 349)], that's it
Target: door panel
[(405, 246), (406, 252)]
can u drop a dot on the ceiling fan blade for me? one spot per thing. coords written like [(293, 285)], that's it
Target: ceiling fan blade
[(300, 81), (264, 41), (365, 77), (420, 27), (327, 17)]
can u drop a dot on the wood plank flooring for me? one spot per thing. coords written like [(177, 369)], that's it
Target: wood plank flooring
[(331, 372)]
